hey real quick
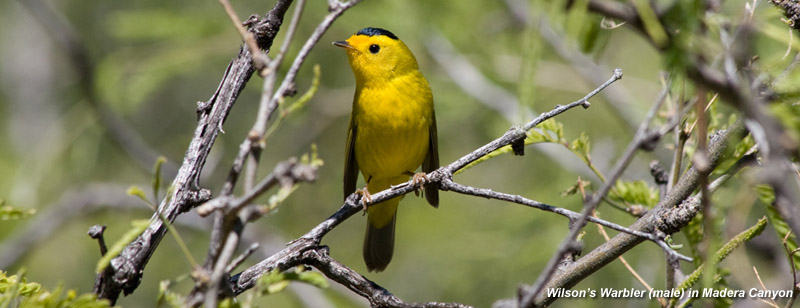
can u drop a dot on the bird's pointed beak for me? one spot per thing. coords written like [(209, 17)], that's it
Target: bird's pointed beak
[(344, 44)]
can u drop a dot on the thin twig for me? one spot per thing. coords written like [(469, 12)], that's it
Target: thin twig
[(259, 58), (241, 258), (218, 270), (352, 205), (228, 224), (126, 270), (673, 212), (96, 232), (627, 265), (641, 139), (603, 232), (254, 141), (378, 296), (449, 185), (771, 302), (793, 266), (288, 172)]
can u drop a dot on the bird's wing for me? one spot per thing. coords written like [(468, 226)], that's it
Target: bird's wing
[(350, 164), (431, 163)]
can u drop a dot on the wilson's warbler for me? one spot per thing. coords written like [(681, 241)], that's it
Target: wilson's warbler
[(392, 132)]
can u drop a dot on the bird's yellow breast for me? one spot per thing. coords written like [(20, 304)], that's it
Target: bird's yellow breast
[(392, 120)]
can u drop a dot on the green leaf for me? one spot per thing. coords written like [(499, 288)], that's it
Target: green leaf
[(502, 150), (724, 252), (547, 131), (157, 177), (581, 147), (137, 227), (312, 158), (636, 192), (8, 212), (534, 136), (15, 291), (576, 188), (228, 303), (271, 283), (138, 192), (276, 281), (284, 112), (767, 195), (651, 23), (551, 125), (694, 234), (313, 278), (167, 296)]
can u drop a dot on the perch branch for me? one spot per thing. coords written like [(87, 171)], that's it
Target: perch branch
[(292, 254)]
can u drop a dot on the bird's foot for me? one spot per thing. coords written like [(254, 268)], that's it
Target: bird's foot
[(365, 197), (419, 180)]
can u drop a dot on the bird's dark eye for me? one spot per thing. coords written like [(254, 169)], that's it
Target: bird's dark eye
[(374, 48)]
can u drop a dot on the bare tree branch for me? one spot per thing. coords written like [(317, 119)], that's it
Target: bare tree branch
[(377, 296), (126, 270), (229, 220), (449, 185), (670, 215), (643, 139), (293, 254), (741, 90), (286, 174)]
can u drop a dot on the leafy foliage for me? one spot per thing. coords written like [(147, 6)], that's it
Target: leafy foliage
[(782, 230), (276, 281), (634, 193), (137, 227), (8, 212), (722, 253), (15, 291)]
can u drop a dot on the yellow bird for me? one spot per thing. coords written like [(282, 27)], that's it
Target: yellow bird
[(392, 132)]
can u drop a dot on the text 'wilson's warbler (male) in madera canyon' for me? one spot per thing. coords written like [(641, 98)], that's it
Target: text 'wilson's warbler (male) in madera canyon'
[(392, 131)]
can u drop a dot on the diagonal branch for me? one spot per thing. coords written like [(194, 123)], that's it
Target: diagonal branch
[(292, 255), (377, 295), (126, 270), (643, 139), (229, 223), (672, 213)]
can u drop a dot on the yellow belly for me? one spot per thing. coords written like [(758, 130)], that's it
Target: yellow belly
[(392, 128), (391, 138), (390, 149)]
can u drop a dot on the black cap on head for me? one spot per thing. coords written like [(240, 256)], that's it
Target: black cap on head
[(376, 31)]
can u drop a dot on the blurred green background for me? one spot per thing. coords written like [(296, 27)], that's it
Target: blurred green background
[(153, 60)]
